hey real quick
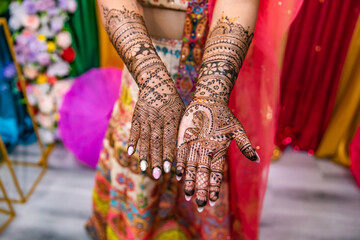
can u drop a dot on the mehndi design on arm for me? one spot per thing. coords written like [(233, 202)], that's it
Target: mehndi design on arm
[(208, 126), (158, 111), (225, 51)]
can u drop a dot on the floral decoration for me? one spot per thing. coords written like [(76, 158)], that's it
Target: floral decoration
[(43, 49)]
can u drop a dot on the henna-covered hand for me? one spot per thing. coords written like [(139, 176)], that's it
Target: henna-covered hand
[(208, 126), (159, 108)]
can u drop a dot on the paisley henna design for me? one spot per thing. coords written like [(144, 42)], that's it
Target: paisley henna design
[(225, 51), (208, 126), (159, 108)]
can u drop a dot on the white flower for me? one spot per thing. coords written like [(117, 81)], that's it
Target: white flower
[(55, 58), (31, 22), (63, 39), (16, 9), (46, 104), (31, 98), (60, 69), (46, 135), (45, 29), (18, 14), (45, 120), (15, 23), (43, 88)]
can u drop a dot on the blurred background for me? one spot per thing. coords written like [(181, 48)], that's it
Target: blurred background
[(58, 51)]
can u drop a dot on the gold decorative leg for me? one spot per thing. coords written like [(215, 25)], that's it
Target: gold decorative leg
[(10, 210)]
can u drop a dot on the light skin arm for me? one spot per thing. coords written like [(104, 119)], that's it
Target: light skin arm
[(159, 108), (208, 125)]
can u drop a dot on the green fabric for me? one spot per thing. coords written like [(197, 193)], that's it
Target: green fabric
[(4, 6), (83, 26)]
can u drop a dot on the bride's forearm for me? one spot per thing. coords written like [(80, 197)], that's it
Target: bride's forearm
[(230, 36), (127, 31)]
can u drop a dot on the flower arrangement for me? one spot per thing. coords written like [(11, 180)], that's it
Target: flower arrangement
[(43, 49)]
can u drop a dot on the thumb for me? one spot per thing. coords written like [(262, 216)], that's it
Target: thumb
[(243, 143)]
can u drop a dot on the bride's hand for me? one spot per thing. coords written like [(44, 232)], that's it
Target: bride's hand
[(206, 131), (155, 122)]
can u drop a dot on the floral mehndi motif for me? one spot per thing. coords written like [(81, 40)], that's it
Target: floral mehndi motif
[(208, 125), (159, 108)]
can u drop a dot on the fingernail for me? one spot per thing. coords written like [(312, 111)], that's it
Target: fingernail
[(143, 165), (178, 178), (130, 150), (156, 173), (200, 209), (167, 166), (258, 158), (188, 198), (212, 203)]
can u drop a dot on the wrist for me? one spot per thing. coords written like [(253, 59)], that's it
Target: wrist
[(210, 100), (213, 87), (157, 81)]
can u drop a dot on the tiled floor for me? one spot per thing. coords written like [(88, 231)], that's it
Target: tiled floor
[(307, 199)]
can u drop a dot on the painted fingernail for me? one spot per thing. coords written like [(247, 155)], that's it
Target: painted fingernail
[(156, 173), (178, 178), (143, 165), (167, 166), (212, 203), (188, 198), (130, 150), (258, 158), (200, 209)]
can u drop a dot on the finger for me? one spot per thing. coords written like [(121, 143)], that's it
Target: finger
[(156, 150), (202, 179), (244, 144), (182, 154), (134, 136), (190, 173), (169, 143), (216, 175), (144, 146)]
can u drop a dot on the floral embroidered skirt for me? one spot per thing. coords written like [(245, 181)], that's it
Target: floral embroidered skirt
[(130, 204)]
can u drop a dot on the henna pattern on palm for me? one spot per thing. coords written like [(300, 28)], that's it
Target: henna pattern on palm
[(208, 126), (159, 108)]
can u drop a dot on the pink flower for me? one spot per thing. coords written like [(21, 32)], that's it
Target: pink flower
[(27, 32), (72, 5), (30, 72), (31, 22), (46, 121), (63, 39)]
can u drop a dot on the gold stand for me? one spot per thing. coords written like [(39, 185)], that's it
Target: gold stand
[(10, 210), (45, 150)]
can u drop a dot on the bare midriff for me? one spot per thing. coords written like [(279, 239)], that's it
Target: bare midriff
[(164, 23)]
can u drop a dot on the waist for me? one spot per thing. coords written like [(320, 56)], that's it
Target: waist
[(164, 23)]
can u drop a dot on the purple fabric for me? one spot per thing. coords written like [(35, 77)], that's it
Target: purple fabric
[(86, 110)]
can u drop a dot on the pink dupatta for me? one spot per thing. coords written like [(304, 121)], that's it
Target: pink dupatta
[(254, 100)]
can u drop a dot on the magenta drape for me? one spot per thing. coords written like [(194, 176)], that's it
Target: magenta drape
[(253, 101), (314, 57)]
